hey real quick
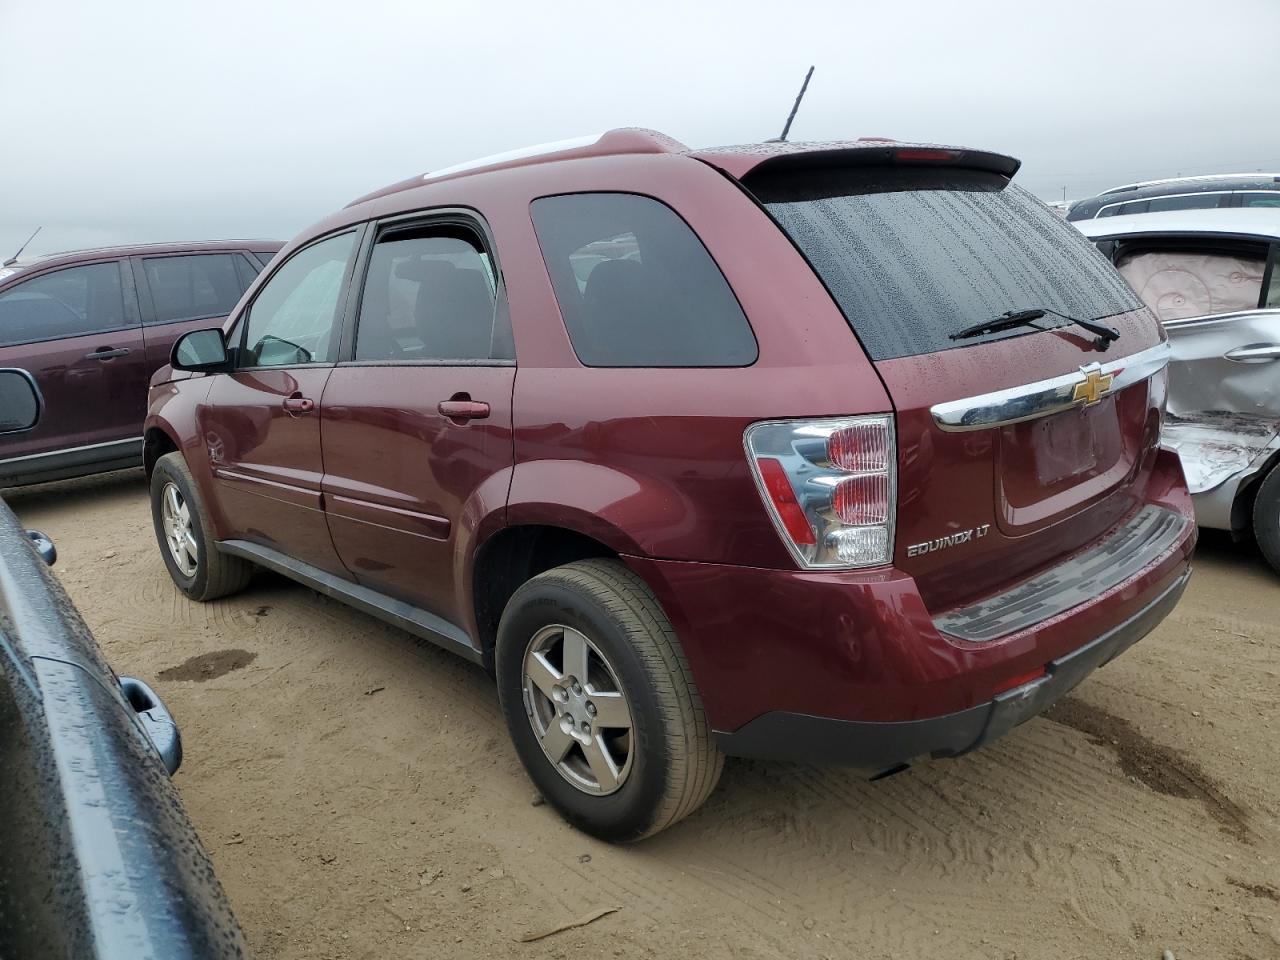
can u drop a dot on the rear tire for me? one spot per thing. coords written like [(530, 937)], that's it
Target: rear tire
[(184, 534), (1266, 518), (661, 760)]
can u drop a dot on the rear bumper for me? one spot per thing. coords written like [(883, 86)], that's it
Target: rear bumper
[(855, 666), (879, 746)]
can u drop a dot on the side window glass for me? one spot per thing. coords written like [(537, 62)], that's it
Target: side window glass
[(636, 287), (1196, 201), (431, 294), (292, 319), (66, 303), (1271, 295), (194, 287)]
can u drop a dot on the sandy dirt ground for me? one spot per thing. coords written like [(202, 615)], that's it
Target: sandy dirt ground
[(359, 798)]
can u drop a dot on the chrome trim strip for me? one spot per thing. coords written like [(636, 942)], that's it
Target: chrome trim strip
[(1045, 397), (65, 450)]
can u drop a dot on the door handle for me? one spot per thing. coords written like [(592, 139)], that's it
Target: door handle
[(107, 353), (1255, 353), (460, 411), (296, 405)]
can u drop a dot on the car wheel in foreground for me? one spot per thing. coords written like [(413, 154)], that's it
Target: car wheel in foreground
[(600, 702), (182, 530), (1266, 518)]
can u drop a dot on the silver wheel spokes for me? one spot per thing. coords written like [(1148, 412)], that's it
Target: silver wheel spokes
[(175, 516), (577, 710)]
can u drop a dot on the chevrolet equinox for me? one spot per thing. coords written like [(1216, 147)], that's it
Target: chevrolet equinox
[(829, 452)]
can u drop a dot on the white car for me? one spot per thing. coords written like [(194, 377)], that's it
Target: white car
[(1210, 277)]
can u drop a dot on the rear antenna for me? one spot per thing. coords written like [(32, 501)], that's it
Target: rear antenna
[(14, 258), (794, 107)]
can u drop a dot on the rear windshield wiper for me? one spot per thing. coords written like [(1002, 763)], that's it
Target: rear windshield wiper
[(1103, 335)]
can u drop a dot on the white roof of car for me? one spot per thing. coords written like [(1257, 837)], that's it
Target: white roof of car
[(1242, 221)]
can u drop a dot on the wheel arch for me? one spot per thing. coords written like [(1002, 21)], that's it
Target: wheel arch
[(516, 554)]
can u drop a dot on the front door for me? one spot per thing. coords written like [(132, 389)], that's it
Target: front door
[(76, 330), (261, 424), (417, 424)]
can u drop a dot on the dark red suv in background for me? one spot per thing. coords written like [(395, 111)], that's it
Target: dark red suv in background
[(92, 326), (839, 452)]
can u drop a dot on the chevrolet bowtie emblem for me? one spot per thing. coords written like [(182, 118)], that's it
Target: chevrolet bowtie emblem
[(1093, 387)]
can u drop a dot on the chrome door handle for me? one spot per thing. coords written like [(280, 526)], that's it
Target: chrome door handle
[(1255, 353), (107, 353), (299, 404)]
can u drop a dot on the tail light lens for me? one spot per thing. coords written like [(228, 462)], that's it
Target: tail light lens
[(829, 486)]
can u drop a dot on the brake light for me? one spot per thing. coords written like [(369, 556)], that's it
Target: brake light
[(925, 155), (829, 486)]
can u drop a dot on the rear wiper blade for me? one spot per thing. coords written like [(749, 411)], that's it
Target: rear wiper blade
[(1103, 335)]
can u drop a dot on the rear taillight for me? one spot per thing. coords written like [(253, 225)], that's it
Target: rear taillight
[(829, 486)]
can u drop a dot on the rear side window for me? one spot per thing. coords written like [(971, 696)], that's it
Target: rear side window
[(914, 255), (66, 303), (193, 287), (636, 287), (430, 293)]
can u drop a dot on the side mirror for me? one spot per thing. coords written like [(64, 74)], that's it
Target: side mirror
[(20, 401), (200, 351)]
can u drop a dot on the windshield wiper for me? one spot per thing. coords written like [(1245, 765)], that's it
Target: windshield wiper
[(1103, 335)]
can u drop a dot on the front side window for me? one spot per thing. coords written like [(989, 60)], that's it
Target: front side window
[(293, 318), (430, 293), (636, 287), (193, 287), (66, 303)]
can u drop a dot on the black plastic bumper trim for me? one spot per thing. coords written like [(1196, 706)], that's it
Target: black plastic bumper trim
[(783, 735)]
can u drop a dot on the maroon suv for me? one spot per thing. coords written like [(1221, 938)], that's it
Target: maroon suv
[(839, 452), (92, 326)]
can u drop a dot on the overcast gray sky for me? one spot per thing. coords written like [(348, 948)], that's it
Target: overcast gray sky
[(135, 120)]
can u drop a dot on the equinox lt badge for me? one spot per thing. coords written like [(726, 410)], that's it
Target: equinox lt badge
[(951, 540)]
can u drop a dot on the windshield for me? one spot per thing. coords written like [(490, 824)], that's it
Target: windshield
[(913, 255)]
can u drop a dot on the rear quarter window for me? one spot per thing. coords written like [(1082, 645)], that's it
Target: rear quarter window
[(636, 287), (912, 256)]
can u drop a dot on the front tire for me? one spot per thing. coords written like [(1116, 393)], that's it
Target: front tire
[(184, 534), (601, 704), (1266, 518)]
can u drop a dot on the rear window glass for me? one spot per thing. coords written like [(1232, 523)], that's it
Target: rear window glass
[(636, 287), (913, 256), (193, 287)]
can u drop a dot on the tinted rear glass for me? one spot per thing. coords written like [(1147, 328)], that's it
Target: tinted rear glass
[(636, 287), (193, 287), (912, 256)]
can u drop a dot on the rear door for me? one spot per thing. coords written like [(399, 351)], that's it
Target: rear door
[(76, 330), (417, 417), (1015, 447), (178, 293), (261, 423)]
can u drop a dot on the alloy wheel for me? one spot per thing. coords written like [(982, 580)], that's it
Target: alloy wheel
[(175, 513), (578, 710)]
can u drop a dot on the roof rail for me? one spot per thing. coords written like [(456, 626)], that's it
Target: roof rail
[(621, 140)]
